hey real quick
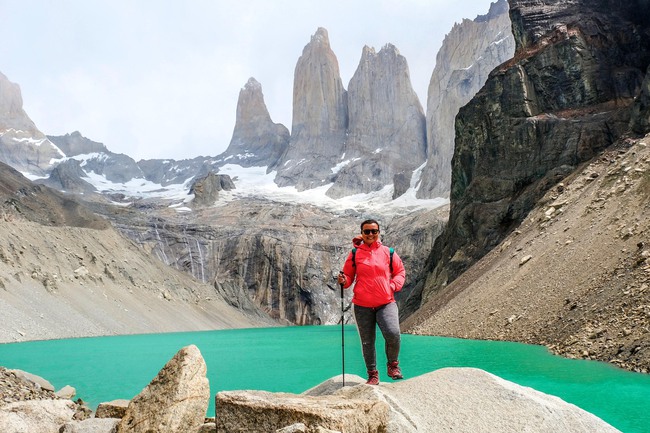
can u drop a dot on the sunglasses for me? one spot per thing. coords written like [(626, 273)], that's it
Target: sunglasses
[(368, 231)]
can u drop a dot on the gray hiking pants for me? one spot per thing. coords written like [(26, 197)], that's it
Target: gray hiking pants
[(387, 317)]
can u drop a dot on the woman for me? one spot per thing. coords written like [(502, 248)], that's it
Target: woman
[(379, 274)]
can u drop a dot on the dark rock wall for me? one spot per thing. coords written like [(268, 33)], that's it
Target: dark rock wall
[(567, 94)]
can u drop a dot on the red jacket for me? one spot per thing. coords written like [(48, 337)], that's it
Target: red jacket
[(374, 285)]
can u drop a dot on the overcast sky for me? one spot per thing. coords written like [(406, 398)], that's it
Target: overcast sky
[(161, 78)]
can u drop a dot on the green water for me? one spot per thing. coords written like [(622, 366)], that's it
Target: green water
[(295, 359)]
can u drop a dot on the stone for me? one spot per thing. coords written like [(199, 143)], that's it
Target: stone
[(302, 428), (175, 401), (293, 428), (208, 427), (112, 409), (261, 411), (42, 416), (206, 189), (80, 272), (32, 378), (91, 425), (66, 392)]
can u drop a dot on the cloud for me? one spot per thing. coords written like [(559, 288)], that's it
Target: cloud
[(160, 79)]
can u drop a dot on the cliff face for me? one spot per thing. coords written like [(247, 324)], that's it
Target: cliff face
[(320, 116), (470, 51), (386, 133), (574, 274), (567, 94), (279, 258), (12, 114)]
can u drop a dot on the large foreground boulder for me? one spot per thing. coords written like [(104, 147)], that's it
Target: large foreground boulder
[(449, 399), (175, 401), (261, 411)]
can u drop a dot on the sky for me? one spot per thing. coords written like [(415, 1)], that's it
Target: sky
[(158, 79)]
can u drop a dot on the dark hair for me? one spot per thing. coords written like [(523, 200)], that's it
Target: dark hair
[(369, 222)]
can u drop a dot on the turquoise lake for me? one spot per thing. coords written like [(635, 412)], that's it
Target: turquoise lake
[(294, 359)]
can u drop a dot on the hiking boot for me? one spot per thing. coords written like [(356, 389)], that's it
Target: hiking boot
[(373, 377), (394, 371)]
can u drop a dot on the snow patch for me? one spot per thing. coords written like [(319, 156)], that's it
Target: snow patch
[(256, 182)]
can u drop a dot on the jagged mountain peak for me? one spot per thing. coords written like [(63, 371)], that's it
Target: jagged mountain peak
[(22, 145), (251, 102), (252, 83), (12, 115), (385, 130), (256, 140), (387, 50), (319, 39), (74, 144), (320, 116), (497, 9), (386, 126)]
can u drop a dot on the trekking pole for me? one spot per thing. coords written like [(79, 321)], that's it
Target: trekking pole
[(342, 338)]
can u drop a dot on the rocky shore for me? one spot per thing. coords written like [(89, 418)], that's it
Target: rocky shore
[(15, 387)]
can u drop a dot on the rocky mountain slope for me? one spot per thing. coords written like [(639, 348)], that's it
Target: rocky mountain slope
[(574, 89), (66, 272)]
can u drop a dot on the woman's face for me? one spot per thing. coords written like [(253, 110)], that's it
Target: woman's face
[(370, 233)]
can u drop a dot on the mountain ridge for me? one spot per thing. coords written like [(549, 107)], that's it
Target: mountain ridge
[(397, 117)]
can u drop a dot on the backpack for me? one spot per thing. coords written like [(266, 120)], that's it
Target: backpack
[(391, 249)]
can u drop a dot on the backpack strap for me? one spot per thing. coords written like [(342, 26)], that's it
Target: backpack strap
[(354, 251)]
